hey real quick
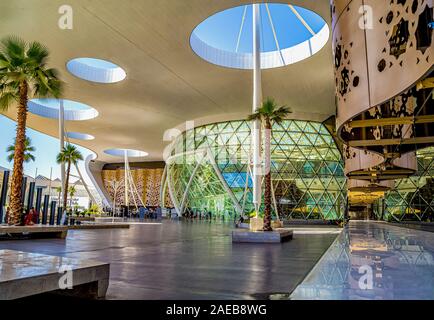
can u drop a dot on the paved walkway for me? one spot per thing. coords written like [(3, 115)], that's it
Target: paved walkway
[(400, 261), (188, 260)]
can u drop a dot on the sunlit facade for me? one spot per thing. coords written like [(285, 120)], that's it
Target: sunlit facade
[(208, 171), (412, 199)]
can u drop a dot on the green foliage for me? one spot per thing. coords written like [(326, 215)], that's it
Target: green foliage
[(69, 154), (93, 210), (28, 151), (269, 110), (22, 62), (72, 191)]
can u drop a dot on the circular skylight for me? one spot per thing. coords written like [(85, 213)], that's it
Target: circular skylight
[(96, 70), (130, 153), (289, 34), (80, 136), (73, 110)]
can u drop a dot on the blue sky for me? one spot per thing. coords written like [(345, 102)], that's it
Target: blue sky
[(47, 149), (221, 30)]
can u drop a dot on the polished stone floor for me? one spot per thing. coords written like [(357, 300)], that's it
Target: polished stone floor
[(188, 260), (373, 260)]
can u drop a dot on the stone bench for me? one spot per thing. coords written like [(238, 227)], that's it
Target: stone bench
[(35, 231), (25, 274)]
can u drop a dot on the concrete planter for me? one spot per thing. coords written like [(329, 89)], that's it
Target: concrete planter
[(276, 236), (257, 224)]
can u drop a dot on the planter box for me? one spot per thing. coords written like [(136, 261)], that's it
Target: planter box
[(276, 236), (257, 224)]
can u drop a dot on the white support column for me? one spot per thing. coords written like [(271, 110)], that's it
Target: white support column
[(228, 190), (257, 101), (190, 181), (163, 187), (126, 191), (62, 145), (92, 198)]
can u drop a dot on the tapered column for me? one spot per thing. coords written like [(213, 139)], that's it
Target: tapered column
[(23, 190), (31, 196), (52, 212), (62, 144), (127, 200), (38, 202), (257, 101), (59, 216), (45, 209), (4, 194)]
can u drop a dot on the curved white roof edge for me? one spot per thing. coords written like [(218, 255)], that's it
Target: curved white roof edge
[(80, 136), (45, 111), (269, 60), (83, 70), (116, 152)]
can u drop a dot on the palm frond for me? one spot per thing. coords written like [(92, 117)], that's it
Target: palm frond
[(7, 98), (69, 153), (37, 52), (254, 116), (13, 47), (269, 110), (28, 149), (27, 62)]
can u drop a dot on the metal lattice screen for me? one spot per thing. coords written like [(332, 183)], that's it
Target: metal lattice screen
[(413, 198)]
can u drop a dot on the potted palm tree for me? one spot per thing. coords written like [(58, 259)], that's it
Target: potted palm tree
[(269, 113), (23, 74), (72, 191), (69, 155), (59, 194), (28, 151)]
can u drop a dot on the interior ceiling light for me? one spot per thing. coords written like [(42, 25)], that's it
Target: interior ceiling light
[(96, 70), (130, 153), (289, 34), (73, 110)]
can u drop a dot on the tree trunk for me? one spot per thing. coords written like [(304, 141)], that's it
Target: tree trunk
[(16, 207), (65, 192), (267, 191)]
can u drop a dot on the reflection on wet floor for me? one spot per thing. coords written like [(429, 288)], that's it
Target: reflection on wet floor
[(371, 260), (188, 260)]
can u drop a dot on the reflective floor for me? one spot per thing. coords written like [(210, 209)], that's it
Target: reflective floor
[(188, 260), (372, 260)]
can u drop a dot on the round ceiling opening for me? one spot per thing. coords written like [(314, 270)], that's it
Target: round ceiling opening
[(96, 70), (289, 34), (73, 110), (129, 152), (80, 136)]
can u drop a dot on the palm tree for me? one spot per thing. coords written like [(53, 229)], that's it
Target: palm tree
[(69, 155), (269, 113), (59, 193), (28, 149), (23, 73), (72, 191)]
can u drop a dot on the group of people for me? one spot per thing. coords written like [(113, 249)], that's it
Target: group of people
[(202, 215), (29, 219), (152, 213)]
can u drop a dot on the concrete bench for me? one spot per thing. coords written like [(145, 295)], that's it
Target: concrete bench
[(25, 274), (36, 231)]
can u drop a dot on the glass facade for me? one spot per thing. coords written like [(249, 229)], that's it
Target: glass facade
[(209, 171), (412, 199)]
